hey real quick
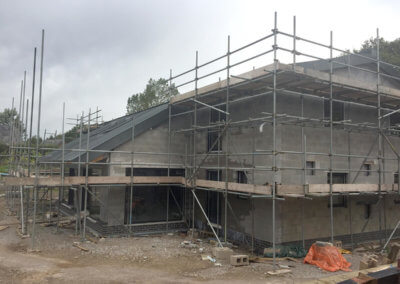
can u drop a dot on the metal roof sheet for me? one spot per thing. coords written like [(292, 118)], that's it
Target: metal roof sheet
[(111, 134)]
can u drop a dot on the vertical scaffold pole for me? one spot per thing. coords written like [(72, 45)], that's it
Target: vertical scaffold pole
[(275, 48), (86, 177), (194, 141), (79, 188), (331, 134), (379, 133), (25, 154), (131, 175), (19, 127), (169, 146), (227, 139), (10, 152), (61, 189), (32, 105), (35, 192), (294, 43), (11, 156)]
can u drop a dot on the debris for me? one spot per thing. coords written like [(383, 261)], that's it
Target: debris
[(344, 251), (201, 249), (327, 257), (102, 240), (76, 244), (93, 240), (217, 264), (279, 271), (211, 259), (3, 228), (283, 266), (193, 233), (204, 257), (33, 251), (227, 244), (22, 236), (222, 253), (373, 260), (188, 244)]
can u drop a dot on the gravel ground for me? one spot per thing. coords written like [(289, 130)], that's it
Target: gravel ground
[(154, 259)]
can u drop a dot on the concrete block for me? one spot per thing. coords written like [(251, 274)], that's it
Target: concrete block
[(394, 252), (338, 244), (239, 260), (223, 253)]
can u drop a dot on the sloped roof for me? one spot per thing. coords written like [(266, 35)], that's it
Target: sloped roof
[(111, 134), (366, 59)]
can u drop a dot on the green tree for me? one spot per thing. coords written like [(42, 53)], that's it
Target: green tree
[(8, 115), (155, 93), (389, 50), (72, 134)]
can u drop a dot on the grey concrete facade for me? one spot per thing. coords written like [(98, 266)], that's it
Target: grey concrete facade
[(250, 146)]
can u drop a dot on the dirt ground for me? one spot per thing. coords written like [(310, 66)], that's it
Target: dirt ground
[(151, 259)]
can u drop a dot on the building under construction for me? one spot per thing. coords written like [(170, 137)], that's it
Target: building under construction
[(304, 148)]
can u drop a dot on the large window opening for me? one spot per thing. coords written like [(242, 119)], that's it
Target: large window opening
[(337, 111), (395, 122), (367, 169), (339, 178), (212, 137), (310, 168), (241, 177), (215, 175), (212, 134), (149, 172), (149, 204), (213, 204), (217, 116)]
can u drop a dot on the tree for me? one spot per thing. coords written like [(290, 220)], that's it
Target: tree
[(389, 51), (155, 93), (8, 115), (72, 134)]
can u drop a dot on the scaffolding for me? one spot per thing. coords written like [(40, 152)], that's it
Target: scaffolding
[(290, 79)]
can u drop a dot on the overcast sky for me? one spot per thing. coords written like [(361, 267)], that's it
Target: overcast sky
[(98, 53)]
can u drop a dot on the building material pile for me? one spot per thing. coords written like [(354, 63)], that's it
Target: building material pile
[(326, 256)]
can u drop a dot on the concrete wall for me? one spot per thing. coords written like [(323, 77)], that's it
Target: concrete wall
[(316, 218), (113, 209), (256, 140), (244, 139), (152, 141)]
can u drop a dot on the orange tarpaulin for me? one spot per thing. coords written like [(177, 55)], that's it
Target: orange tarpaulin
[(327, 257)]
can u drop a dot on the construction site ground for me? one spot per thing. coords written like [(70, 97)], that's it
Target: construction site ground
[(150, 259)]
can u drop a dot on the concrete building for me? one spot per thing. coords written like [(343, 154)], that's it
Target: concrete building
[(196, 138)]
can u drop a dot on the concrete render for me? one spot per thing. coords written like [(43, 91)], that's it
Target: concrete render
[(295, 217), (289, 216)]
